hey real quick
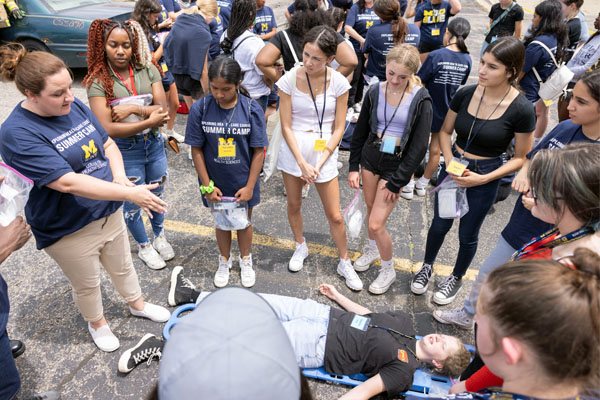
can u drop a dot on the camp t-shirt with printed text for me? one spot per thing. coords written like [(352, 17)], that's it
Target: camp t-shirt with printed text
[(216, 31), (224, 12), (143, 78), (361, 21), (442, 73), (380, 41), (264, 21), (523, 226), (538, 57), (434, 19), (208, 127), (349, 350), (46, 148), (506, 26)]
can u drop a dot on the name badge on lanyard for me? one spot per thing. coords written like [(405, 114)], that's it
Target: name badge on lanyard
[(457, 167), (226, 147), (435, 32), (388, 145), (319, 143), (359, 322)]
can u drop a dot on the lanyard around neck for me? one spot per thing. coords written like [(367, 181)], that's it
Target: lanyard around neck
[(387, 123), (314, 99), (569, 237), (469, 138), (390, 330), (131, 90), (227, 123)]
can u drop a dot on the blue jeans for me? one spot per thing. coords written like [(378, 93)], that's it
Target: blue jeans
[(305, 322), (497, 257), (10, 382), (481, 199), (145, 162), (262, 102)]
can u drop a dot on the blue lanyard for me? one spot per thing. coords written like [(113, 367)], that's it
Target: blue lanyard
[(385, 121), (569, 237), (390, 330), (313, 97)]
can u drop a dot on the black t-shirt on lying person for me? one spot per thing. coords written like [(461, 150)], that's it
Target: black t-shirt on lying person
[(281, 43), (350, 350)]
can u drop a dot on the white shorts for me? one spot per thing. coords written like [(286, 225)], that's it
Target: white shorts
[(286, 161)]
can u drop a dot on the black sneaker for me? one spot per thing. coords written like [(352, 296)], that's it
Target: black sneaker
[(447, 290), (420, 281), (51, 395), (180, 289), (146, 349)]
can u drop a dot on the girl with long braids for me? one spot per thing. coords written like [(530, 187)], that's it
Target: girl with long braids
[(53, 139), (243, 45), (382, 38), (118, 68), (549, 29), (146, 13), (442, 73)]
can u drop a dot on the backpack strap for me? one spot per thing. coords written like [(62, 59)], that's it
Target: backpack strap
[(289, 42), (537, 75)]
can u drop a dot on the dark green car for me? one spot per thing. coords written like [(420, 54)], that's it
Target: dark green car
[(61, 26)]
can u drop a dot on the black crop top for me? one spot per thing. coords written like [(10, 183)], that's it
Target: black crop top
[(495, 135)]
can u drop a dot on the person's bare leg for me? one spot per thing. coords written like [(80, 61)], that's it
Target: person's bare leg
[(377, 220), (224, 242), (173, 100), (188, 101), (244, 238), (369, 181), (329, 192), (541, 112), (293, 187), (434, 155)]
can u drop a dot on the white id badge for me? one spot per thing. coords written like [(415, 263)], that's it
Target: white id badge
[(361, 323)]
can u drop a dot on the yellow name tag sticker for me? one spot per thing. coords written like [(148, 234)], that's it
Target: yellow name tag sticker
[(457, 167), (435, 32), (164, 67), (320, 144), (226, 148), (548, 103)]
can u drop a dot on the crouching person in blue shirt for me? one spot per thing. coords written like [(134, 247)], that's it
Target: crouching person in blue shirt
[(79, 185)]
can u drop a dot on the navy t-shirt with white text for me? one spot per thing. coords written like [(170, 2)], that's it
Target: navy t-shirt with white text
[(264, 21), (538, 57), (361, 21), (434, 19), (46, 148)]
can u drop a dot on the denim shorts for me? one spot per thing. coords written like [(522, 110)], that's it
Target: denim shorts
[(378, 162)]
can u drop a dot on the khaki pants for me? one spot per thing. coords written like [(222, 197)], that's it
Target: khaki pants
[(81, 254)]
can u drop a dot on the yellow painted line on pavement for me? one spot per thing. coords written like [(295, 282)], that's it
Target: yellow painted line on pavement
[(401, 264)]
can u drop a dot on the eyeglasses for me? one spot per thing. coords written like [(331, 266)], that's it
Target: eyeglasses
[(535, 198)]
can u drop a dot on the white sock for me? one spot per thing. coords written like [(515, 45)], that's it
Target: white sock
[(372, 243), (423, 181), (387, 264)]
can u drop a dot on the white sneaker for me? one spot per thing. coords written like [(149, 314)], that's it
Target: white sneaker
[(222, 274), (150, 257), (357, 107), (339, 165), (190, 153), (384, 280), (369, 256), (103, 338), (152, 312), (420, 190), (346, 270), (297, 260), (178, 137), (457, 317), (408, 191), (163, 247), (248, 274)]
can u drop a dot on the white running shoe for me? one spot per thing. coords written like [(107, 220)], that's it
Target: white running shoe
[(421, 190), (152, 312), (369, 256), (457, 317), (163, 247), (150, 257), (248, 273), (384, 280), (297, 260), (408, 191), (222, 274), (346, 270)]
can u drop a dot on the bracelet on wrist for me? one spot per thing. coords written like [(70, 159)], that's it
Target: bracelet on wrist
[(207, 189), (329, 150)]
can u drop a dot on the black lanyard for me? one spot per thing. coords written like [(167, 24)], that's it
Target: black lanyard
[(569, 237), (387, 123), (390, 330), (469, 139), (315, 101)]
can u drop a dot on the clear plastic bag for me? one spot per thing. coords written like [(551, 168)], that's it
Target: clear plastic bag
[(229, 214), (354, 215), (14, 193), (139, 100), (452, 200)]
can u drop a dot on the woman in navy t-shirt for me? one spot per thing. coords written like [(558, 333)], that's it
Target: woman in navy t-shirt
[(442, 73), (79, 186), (432, 17), (549, 29), (227, 133)]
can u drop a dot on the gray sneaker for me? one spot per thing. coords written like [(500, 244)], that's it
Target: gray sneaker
[(420, 282), (384, 280), (457, 317), (369, 256)]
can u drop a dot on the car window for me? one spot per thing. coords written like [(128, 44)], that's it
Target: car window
[(59, 5)]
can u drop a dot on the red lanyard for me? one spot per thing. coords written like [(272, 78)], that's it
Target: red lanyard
[(131, 78)]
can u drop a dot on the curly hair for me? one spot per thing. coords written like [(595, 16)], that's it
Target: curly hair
[(551, 23), (141, 13), (304, 20), (455, 364), (98, 65)]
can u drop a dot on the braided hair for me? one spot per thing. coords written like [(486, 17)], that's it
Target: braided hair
[(98, 68), (243, 13)]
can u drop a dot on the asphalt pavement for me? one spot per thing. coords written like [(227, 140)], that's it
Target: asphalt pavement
[(60, 353)]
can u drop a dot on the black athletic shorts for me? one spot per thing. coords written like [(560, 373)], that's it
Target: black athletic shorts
[(378, 162), (188, 86)]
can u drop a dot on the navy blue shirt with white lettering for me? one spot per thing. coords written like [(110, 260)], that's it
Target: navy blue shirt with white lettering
[(46, 148), (523, 226), (224, 12), (264, 21), (209, 126), (434, 19), (413, 36), (442, 73), (538, 57), (216, 31), (361, 21)]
